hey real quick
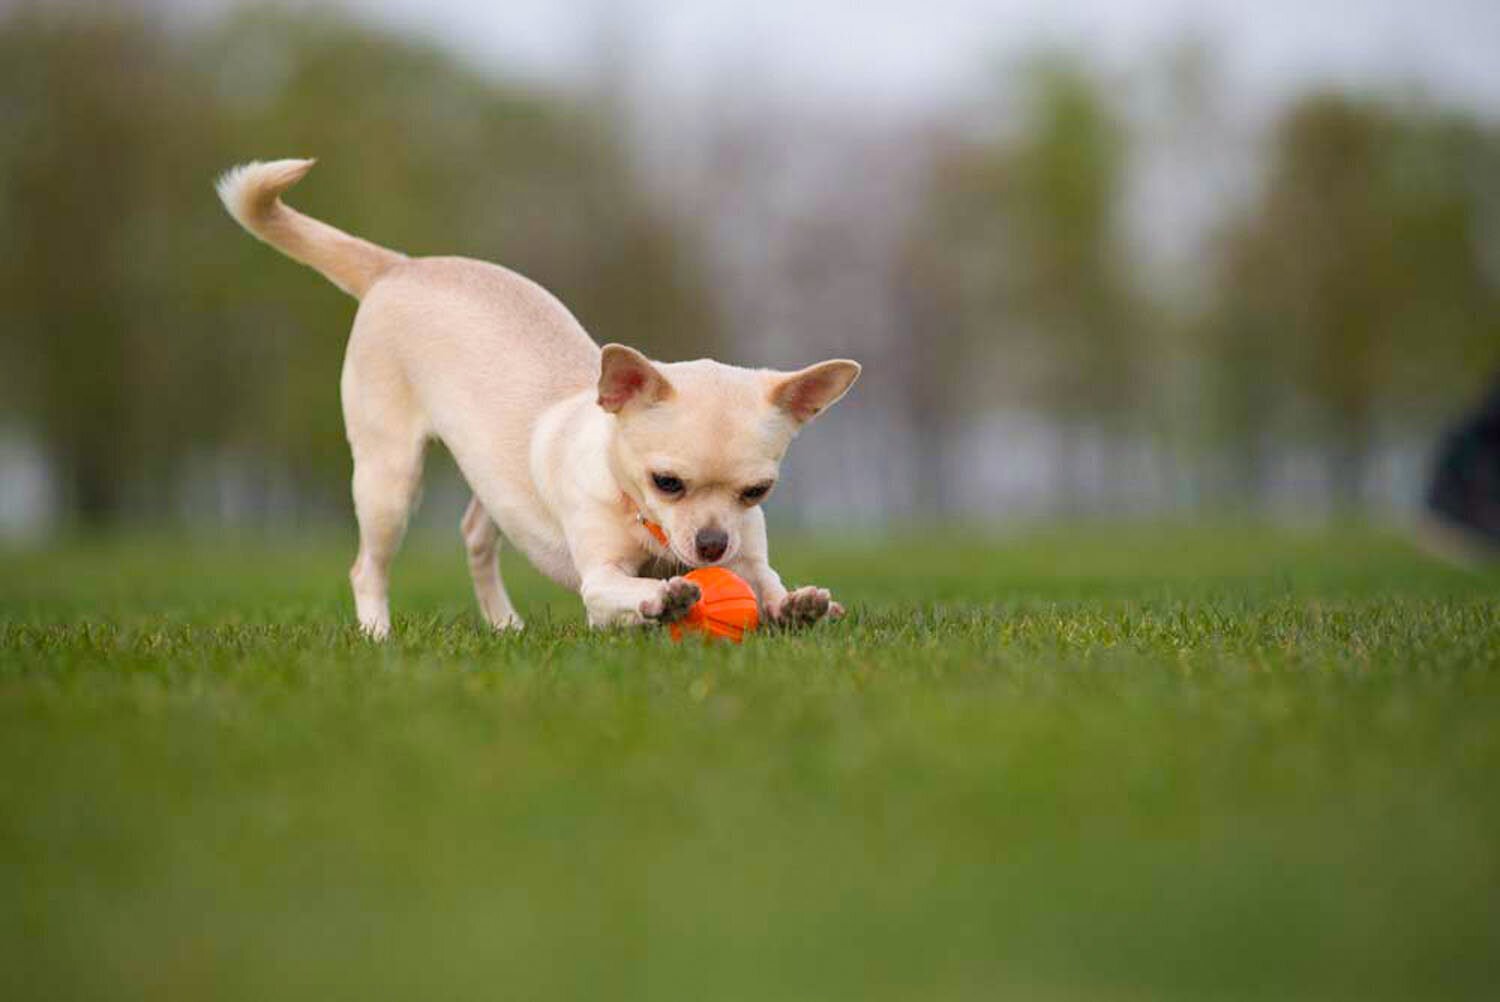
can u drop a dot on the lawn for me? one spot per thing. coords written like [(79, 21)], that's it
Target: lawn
[(1138, 764)]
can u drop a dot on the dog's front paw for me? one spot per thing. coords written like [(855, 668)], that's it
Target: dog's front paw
[(804, 607), (676, 597)]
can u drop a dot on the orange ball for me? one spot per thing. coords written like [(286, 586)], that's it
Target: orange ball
[(727, 608)]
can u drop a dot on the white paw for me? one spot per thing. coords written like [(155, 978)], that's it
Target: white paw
[(375, 629), (804, 607), (676, 597), (507, 621)]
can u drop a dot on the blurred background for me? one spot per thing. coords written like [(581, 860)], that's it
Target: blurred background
[(1141, 258)]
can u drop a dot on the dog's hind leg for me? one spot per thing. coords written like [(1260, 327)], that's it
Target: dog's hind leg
[(385, 486), (388, 443), (482, 541)]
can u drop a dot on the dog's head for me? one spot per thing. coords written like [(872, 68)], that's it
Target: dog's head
[(699, 444)]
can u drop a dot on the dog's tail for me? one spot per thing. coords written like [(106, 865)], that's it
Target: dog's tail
[(252, 194)]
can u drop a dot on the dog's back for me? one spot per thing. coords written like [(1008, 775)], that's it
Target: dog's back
[(460, 335), (473, 338)]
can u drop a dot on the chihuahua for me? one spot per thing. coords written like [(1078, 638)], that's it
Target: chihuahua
[(607, 470)]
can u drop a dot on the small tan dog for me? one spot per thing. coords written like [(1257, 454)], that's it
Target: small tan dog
[(595, 463)]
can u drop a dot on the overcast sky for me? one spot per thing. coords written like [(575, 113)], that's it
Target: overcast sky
[(904, 51)]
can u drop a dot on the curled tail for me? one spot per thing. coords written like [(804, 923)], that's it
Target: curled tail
[(252, 194)]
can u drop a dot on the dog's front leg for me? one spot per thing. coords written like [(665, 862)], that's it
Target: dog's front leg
[(613, 597), (792, 609), (801, 607), (606, 558)]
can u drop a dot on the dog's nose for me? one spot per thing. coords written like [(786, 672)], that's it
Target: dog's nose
[(712, 543)]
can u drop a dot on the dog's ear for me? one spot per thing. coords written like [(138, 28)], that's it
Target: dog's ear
[(808, 392), (626, 376)]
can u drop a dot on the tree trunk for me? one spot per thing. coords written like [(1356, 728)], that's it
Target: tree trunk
[(94, 489), (1349, 465)]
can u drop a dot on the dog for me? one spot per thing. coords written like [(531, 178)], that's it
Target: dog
[(598, 464)]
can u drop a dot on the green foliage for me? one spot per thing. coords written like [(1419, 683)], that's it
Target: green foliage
[(1355, 287), (104, 273), (1035, 218), (1093, 764), (1353, 295)]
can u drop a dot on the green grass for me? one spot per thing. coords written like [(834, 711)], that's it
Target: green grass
[(1067, 765)]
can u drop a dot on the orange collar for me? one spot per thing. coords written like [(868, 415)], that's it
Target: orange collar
[(657, 532)]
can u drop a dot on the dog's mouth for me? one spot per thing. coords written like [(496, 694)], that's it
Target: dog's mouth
[(694, 561)]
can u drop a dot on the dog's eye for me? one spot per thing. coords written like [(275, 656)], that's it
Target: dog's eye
[(755, 493), (666, 483)]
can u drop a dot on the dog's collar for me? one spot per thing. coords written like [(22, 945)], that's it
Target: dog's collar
[(657, 532)]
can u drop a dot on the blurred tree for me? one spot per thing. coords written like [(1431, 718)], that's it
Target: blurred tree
[(1355, 291), (1047, 298), (946, 321), (107, 125)]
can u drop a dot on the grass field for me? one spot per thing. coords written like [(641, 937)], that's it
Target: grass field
[(1065, 765)]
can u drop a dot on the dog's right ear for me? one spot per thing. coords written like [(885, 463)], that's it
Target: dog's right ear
[(808, 392), (626, 376)]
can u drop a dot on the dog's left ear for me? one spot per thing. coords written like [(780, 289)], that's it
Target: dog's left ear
[(810, 391), (626, 376)]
